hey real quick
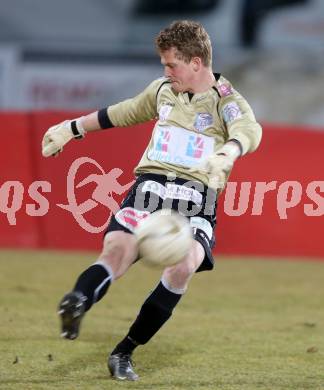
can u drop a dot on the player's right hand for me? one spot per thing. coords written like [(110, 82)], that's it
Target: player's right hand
[(57, 136)]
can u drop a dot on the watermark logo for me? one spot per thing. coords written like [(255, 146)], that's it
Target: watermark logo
[(239, 198), (106, 185)]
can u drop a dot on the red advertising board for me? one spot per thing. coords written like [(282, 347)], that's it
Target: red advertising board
[(273, 204)]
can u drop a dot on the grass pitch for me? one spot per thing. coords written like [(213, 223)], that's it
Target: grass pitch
[(246, 325)]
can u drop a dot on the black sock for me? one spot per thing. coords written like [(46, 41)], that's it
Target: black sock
[(156, 310), (127, 345), (93, 283)]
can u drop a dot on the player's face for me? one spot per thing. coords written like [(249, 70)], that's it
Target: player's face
[(180, 73)]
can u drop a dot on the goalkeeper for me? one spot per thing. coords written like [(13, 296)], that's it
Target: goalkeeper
[(203, 125)]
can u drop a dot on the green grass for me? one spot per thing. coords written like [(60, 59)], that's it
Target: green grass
[(246, 325)]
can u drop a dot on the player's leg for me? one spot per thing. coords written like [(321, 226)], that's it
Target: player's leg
[(118, 253), (156, 310)]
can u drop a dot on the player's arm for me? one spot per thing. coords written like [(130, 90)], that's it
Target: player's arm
[(243, 135), (240, 122), (139, 109)]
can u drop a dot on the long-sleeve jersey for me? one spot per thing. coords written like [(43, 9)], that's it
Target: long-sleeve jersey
[(189, 128)]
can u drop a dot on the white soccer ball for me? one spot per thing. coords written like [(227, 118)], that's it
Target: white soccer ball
[(164, 238)]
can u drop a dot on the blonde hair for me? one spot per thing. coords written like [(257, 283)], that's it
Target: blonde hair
[(190, 40)]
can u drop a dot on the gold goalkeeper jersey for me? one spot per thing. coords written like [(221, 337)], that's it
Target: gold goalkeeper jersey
[(188, 128)]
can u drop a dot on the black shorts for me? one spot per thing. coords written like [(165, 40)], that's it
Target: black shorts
[(192, 199)]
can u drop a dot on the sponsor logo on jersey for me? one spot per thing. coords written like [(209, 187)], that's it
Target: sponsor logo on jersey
[(200, 98), (173, 191), (203, 121), (163, 141), (165, 112), (130, 217), (175, 145), (225, 90), (195, 146), (231, 112)]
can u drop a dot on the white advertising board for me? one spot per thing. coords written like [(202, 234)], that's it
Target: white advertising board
[(9, 58), (81, 86)]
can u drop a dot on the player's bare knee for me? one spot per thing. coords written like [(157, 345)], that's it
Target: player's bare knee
[(112, 247), (176, 278), (179, 275), (119, 251)]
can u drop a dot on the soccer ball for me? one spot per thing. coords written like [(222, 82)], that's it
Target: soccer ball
[(164, 238)]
